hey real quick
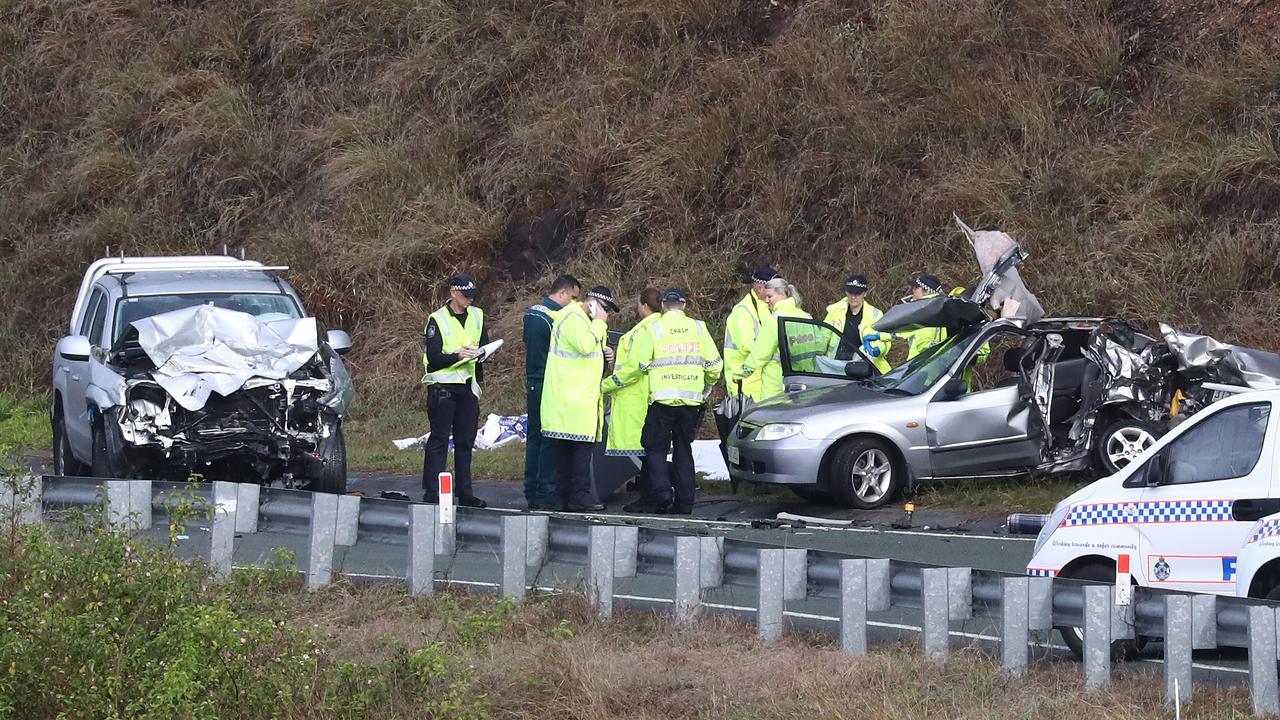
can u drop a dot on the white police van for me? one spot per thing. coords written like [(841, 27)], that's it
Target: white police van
[(1170, 511)]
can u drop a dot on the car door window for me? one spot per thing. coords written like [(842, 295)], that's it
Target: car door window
[(987, 369), (87, 320), (99, 319), (1221, 447), (809, 347)]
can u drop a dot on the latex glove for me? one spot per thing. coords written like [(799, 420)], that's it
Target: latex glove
[(870, 337), (871, 350)]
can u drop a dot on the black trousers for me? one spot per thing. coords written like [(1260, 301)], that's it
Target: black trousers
[(452, 409), (670, 426), (573, 486)]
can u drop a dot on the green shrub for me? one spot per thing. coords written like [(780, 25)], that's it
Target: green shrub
[(95, 623)]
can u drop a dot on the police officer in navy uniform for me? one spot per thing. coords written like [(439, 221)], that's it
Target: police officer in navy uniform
[(451, 358)]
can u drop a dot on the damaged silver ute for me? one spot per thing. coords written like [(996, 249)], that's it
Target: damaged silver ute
[(199, 365), (1007, 392)]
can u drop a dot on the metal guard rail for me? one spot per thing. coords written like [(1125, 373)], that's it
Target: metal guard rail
[(524, 543)]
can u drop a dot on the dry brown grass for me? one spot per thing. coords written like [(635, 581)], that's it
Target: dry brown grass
[(553, 659), (377, 146)]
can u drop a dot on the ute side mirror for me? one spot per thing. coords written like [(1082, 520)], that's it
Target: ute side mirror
[(339, 341), (954, 388), (857, 370), (75, 348)]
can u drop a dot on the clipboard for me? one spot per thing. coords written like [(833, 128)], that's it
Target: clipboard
[(487, 351)]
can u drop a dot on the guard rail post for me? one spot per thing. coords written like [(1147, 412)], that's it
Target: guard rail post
[(1015, 596), (129, 504), (420, 573), (222, 528), (1262, 660), (515, 555), (1039, 603), (935, 606), (601, 560), (1204, 622), (770, 586), (688, 579), (1098, 615), (348, 520), (796, 570), (248, 497), (711, 555), (21, 497), (320, 545), (626, 541), (854, 592), (1177, 649)]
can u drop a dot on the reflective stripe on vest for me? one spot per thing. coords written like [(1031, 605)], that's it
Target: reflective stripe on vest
[(677, 395)]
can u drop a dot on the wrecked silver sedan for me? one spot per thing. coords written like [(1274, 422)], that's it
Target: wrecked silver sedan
[(205, 366), (998, 397)]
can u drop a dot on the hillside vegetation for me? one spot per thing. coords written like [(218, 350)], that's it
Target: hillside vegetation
[(378, 145)]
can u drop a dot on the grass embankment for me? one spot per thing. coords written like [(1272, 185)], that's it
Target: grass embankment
[(377, 146), (95, 624)]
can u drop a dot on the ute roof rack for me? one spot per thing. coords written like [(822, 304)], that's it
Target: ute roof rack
[(130, 265)]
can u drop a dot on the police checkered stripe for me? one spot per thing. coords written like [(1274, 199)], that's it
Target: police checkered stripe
[(1143, 513), (1041, 572), (624, 453), (676, 361), (1270, 528), (567, 436)]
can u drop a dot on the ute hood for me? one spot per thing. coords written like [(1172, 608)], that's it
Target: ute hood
[(201, 350), (1229, 364), (1000, 289)]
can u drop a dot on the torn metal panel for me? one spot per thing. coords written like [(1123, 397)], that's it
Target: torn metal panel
[(1223, 363), (1002, 288)]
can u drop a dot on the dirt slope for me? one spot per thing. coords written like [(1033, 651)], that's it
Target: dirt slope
[(378, 145)]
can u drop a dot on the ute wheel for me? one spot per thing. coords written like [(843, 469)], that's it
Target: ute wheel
[(1074, 636), (331, 474), (811, 493), (108, 449), (864, 474), (64, 463), (1121, 442)]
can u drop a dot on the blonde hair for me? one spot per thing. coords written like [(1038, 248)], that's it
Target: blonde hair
[(780, 285)]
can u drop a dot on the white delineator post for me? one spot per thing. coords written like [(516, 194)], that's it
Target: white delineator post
[(445, 513), (446, 536), (1124, 588)]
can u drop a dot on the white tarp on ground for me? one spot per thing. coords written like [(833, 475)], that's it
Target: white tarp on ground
[(203, 349)]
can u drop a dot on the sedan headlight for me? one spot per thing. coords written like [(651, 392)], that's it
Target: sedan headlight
[(778, 431)]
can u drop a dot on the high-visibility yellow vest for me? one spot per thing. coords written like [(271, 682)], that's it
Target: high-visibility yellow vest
[(838, 314), (454, 336), (740, 332), (630, 400), (765, 361), (572, 407), (685, 362)]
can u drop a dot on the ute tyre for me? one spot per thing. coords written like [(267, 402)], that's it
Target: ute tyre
[(332, 474), (64, 463), (864, 474), (1120, 442), (108, 461), (1074, 637)]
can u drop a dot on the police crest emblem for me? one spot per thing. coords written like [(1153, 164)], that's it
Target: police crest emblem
[(1162, 569)]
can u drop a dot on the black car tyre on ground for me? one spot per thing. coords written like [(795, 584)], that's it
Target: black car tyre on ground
[(864, 474), (64, 463), (332, 474), (1121, 441), (1074, 636)]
